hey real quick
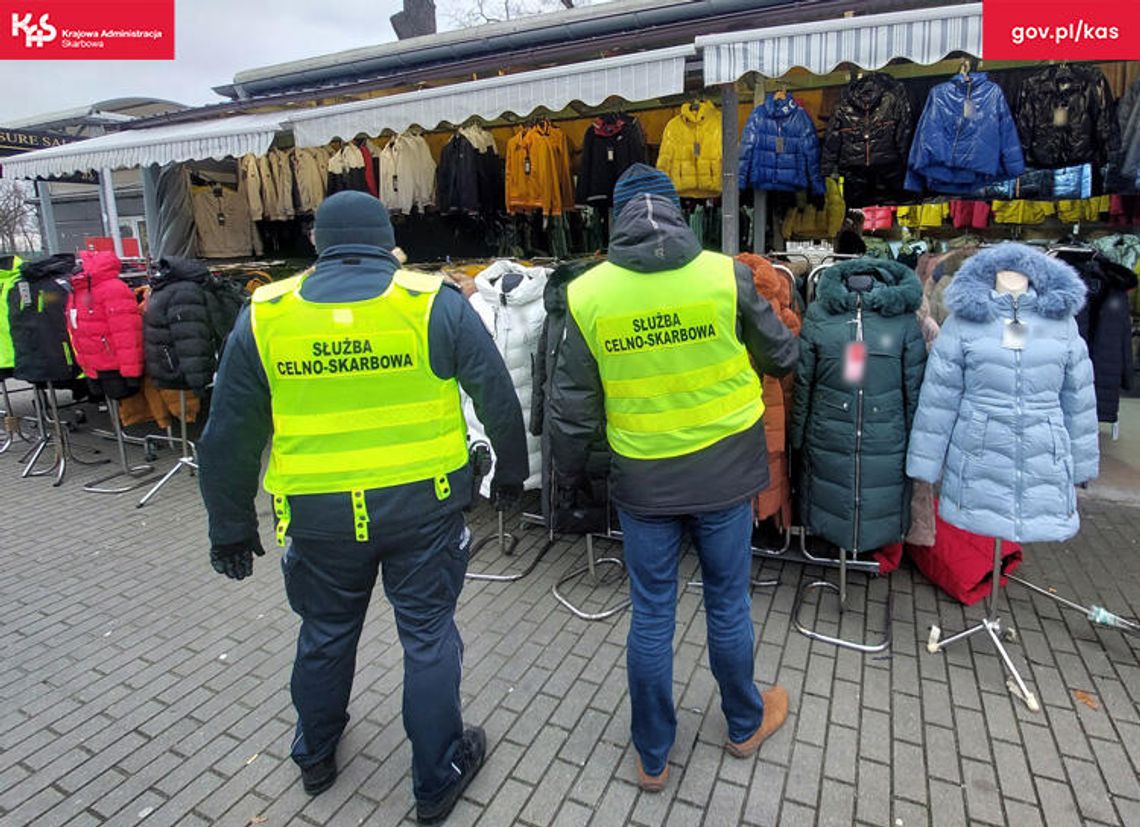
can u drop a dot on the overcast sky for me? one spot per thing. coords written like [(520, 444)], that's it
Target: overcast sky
[(213, 40)]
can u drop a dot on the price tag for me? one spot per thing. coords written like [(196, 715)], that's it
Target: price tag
[(25, 291), (697, 149), (854, 362), (74, 314), (1014, 334), (610, 154), (968, 108), (780, 143), (1061, 116), (526, 165)]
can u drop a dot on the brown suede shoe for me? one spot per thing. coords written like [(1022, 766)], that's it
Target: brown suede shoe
[(651, 783), (775, 713)]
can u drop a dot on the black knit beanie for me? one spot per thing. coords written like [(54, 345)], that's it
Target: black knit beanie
[(352, 217)]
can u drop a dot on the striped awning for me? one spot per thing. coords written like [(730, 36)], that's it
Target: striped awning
[(636, 77), (921, 35), (198, 141)]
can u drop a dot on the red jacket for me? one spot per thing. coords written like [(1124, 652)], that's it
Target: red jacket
[(103, 318)]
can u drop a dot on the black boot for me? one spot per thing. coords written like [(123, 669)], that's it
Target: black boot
[(468, 760), (320, 776)]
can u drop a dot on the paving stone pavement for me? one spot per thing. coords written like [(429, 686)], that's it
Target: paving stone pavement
[(137, 686)]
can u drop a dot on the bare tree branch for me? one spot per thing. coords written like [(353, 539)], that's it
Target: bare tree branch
[(19, 228)]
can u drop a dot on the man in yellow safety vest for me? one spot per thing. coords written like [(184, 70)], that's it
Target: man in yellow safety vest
[(355, 368), (655, 365)]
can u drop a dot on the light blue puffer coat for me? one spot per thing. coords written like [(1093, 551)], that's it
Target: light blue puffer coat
[(1010, 432)]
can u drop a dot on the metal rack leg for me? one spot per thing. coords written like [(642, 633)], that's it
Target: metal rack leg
[(48, 436), (137, 476), (591, 568), (991, 624), (507, 544), (841, 590), (188, 460), (11, 421)]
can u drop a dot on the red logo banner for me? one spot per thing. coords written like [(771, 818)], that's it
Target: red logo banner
[(86, 30), (1052, 30)]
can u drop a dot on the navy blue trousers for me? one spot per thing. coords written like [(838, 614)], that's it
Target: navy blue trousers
[(329, 584)]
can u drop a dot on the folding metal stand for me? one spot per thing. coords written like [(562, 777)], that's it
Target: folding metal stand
[(507, 544), (991, 624), (591, 569), (137, 476), (52, 432), (188, 460)]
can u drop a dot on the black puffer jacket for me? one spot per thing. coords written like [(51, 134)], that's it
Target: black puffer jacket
[(180, 344), (1066, 115), (37, 318), (868, 135), (1105, 323), (651, 236), (582, 508)]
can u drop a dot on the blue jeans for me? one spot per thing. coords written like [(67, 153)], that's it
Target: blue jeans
[(652, 552), (329, 584)]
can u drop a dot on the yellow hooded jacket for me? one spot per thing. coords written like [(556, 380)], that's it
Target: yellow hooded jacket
[(690, 151)]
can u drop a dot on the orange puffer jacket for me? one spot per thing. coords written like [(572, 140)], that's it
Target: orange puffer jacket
[(775, 500)]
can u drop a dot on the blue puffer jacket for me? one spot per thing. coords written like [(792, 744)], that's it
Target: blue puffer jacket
[(1010, 432), (780, 149), (965, 138)]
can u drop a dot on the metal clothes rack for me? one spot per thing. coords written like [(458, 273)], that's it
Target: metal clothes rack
[(52, 433), (844, 562), (188, 460)]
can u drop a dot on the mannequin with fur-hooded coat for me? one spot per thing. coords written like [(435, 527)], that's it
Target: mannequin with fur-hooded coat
[(1010, 431)]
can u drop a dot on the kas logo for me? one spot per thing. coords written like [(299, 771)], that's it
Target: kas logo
[(35, 34)]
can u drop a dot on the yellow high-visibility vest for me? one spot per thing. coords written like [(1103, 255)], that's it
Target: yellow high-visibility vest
[(675, 375), (355, 403)]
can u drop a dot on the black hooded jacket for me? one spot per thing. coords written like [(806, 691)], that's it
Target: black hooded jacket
[(37, 317), (178, 339), (651, 236), (1066, 115), (1105, 323), (869, 132)]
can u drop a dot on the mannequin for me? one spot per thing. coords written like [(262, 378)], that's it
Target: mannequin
[(1010, 281)]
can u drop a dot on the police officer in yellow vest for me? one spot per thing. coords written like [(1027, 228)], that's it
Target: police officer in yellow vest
[(355, 368), (657, 365)]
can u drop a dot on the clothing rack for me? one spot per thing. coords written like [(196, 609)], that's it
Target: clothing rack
[(53, 433)]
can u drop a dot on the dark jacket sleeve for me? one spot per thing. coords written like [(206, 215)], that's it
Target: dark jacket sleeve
[(230, 448), (577, 414), (832, 142), (471, 357), (772, 347), (805, 379)]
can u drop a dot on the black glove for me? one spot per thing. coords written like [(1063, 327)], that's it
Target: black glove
[(505, 496), (235, 560)]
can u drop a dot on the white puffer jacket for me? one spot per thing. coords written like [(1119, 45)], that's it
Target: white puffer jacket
[(514, 318)]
